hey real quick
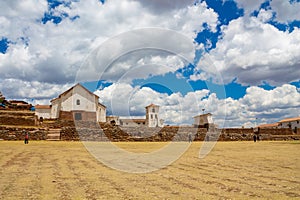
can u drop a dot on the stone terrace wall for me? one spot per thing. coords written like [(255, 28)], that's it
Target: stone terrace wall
[(17, 121), (90, 131), (176, 133), (17, 118), (236, 134), (167, 133), (57, 123), (19, 134), (275, 131)]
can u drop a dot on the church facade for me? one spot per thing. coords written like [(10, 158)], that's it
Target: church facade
[(76, 103)]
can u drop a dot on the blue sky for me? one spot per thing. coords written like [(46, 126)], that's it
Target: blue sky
[(237, 59)]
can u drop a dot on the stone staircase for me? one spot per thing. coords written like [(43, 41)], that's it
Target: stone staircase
[(90, 131), (53, 134)]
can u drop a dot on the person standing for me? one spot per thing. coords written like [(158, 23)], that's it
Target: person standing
[(26, 138), (190, 137), (254, 138)]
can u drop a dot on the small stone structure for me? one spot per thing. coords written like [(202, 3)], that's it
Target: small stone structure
[(204, 121)]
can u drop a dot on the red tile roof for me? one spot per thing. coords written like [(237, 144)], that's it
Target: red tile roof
[(42, 107), (268, 125), (290, 119)]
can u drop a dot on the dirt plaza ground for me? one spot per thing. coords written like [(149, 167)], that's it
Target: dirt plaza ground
[(232, 170)]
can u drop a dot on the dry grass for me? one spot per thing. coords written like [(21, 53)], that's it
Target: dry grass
[(233, 170)]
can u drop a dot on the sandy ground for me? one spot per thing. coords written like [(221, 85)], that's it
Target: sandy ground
[(233, 170)]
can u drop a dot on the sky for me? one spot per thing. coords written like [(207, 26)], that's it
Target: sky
[(237, 59)]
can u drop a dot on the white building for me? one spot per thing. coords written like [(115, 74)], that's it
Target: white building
[(152, 119), (132, 122), (293, 123), (203, 121), (152, 116), (43, 111), (76, 103)]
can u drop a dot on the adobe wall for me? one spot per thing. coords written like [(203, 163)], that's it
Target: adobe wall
[(65, 115), (70, 116), (89, 116)]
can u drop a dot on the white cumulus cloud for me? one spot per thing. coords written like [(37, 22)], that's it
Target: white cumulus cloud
[(53, 53), (253, 51)]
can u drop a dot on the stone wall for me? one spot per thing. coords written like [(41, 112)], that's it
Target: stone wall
[(17, 118), (17, 121), (91, 131), (236, 134), (69, 133), (177, 133), (168, 133), (275, 131), (19, 134)]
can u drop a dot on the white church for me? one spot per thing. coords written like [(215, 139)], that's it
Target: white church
[(76, 103)]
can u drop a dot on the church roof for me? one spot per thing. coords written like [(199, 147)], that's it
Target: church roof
[(78, 85)]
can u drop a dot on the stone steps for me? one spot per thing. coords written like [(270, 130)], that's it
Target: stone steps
[(90, 131), (53, 135)]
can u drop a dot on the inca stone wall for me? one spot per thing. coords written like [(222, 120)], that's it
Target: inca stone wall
[(92, 131), (19, 134), (17, 118)]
